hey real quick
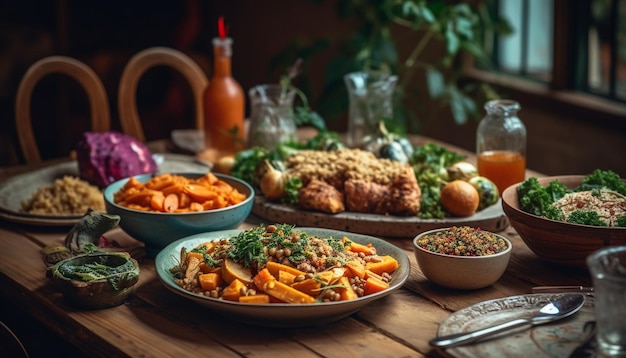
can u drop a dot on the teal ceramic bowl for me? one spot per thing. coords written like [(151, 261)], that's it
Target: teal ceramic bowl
[(156, 229)]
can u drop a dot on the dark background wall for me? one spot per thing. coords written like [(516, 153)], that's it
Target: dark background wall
[(563, 139)]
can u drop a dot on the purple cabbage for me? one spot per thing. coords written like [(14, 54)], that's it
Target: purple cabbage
[(105, 157)]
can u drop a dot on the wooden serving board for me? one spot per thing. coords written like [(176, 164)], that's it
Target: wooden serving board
[(491, 219)]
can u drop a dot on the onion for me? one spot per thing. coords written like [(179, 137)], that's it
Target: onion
[(272, 182), (461, 171)]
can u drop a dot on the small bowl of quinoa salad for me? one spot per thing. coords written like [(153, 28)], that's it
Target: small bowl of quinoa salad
[(462, 257)]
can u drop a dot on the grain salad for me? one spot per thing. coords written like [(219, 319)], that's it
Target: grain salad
[(608, 204), (335, 167), (66, 196), (463, 241)]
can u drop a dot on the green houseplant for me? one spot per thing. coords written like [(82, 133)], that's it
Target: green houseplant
[(420, 41)]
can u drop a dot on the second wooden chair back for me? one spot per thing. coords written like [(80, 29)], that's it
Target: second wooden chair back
[(137, 66), (86, 77)]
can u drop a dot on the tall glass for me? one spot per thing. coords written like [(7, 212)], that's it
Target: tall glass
[(371, 101), (608, 272)]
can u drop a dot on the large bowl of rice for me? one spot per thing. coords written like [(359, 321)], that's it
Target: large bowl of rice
[(558, 241)]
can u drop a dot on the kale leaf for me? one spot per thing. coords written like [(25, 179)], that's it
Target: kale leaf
[(603, 178), (537, 200), (585, 217)]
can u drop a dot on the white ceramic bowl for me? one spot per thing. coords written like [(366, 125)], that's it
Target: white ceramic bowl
[(461, 272), (156, 229)]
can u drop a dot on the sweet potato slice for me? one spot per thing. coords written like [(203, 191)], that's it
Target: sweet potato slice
[(346, 292), (200, 193), (268, 284), (368, 249), (259, 298), (286, 277), (373, 285), (275, 267), (386, 264), (309, 286), (355, 268), (286, 293), (232, 292), (210, 281), (156, 202)]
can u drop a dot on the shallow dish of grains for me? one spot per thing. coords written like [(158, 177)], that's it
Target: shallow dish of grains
[(462, 257), (278, 314)]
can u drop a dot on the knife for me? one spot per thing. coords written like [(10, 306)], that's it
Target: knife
[(559, 289)]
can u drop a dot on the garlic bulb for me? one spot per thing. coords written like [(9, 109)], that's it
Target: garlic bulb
[(272, 181), (461, 171)]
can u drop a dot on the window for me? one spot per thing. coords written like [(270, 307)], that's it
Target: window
[(574, 45), (606, 60), (528, 50)]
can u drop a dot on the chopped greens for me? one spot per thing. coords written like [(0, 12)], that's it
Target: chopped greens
[(98, 269), (607, 179), (429, 161), (253, 247), (585, 218), (247, 246), (535, 199), (538, 200)]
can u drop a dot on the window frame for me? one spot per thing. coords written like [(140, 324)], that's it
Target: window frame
[(561, 91)]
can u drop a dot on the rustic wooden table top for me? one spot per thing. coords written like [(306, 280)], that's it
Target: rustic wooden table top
[(154, 322)]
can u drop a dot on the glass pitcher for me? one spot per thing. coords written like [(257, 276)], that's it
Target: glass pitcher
[(371, 101), (272, 119)]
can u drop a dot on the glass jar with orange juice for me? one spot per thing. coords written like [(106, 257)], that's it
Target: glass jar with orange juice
[(501, 144)]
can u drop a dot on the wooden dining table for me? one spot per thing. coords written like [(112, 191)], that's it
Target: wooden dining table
[(154, 322)]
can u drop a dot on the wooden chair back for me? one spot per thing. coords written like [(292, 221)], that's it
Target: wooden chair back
[(86, 77), (135, 69)]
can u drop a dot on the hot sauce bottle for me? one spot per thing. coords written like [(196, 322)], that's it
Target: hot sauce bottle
[(224, 101), (501, 144)]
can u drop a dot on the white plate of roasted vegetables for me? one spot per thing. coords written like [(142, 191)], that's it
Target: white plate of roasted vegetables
[(281, 275)]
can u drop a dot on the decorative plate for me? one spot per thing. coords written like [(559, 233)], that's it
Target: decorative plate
[(21, 187), (280, 314), (557, 339), (491, 218)]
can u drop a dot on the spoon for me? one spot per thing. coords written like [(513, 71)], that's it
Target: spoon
[(561, 307)]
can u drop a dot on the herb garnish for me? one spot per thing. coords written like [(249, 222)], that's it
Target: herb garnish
[(98, 270)]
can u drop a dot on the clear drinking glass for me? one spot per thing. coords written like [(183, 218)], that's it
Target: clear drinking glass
[(272, 119), (371, 101), (608, 272)]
